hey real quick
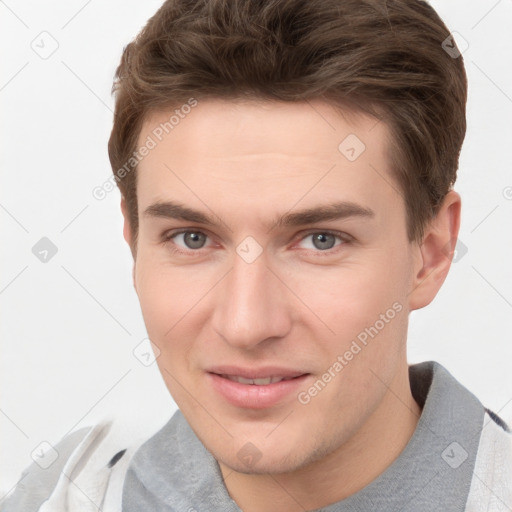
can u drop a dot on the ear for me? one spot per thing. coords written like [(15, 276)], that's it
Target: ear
[(435, 253), (128, 235)]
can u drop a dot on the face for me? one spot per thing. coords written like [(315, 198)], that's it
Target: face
[(272, 244)]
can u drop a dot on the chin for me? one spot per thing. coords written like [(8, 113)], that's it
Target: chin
[(276, 464)]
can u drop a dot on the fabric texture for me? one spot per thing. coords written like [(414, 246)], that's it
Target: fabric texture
[(458, 459)]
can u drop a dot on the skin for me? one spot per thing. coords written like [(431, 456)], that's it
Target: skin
[(296, 305)]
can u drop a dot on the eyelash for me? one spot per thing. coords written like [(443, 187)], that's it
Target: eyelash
[(343, 237)]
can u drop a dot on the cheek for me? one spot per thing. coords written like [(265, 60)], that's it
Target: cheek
[(173, 306), (164, 309), (349, 298), (362, 359), (163, 300), (362, 305), (166, 294)]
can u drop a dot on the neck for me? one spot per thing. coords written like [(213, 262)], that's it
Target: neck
[(341, 473)]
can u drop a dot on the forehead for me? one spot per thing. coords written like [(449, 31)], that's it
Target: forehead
[(202, 130), (261, 154)]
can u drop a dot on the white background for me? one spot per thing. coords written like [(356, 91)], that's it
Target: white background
[(69, 326)]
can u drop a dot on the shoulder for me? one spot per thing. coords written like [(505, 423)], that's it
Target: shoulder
[(491, 486), (37, 482), (88, 471)]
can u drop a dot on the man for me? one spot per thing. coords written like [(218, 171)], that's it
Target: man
[(287, 172)]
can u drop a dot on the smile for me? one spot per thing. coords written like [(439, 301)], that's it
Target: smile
[(257, 392), (256, 382)]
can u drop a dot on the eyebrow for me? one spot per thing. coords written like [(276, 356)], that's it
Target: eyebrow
[(335, 211)]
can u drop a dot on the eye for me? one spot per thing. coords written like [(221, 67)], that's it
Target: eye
[(322, 240), (188, 239)]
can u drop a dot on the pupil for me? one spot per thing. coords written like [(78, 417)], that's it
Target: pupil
[(323, 241), (194, 240)]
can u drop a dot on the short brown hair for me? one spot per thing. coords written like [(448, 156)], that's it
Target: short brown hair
[(385, 58)]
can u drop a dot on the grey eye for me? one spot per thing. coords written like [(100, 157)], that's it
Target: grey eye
[(193, 239), (323, 241)]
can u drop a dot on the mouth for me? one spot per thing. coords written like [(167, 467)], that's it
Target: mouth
[(256, 382), (254, 389)]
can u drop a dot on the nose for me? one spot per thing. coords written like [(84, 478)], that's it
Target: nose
[(251, 305)]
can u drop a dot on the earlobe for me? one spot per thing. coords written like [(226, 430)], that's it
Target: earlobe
[(436, 252)]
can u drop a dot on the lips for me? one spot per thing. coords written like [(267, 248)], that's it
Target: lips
[(256, 382), (262, 372), (256, 388)]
